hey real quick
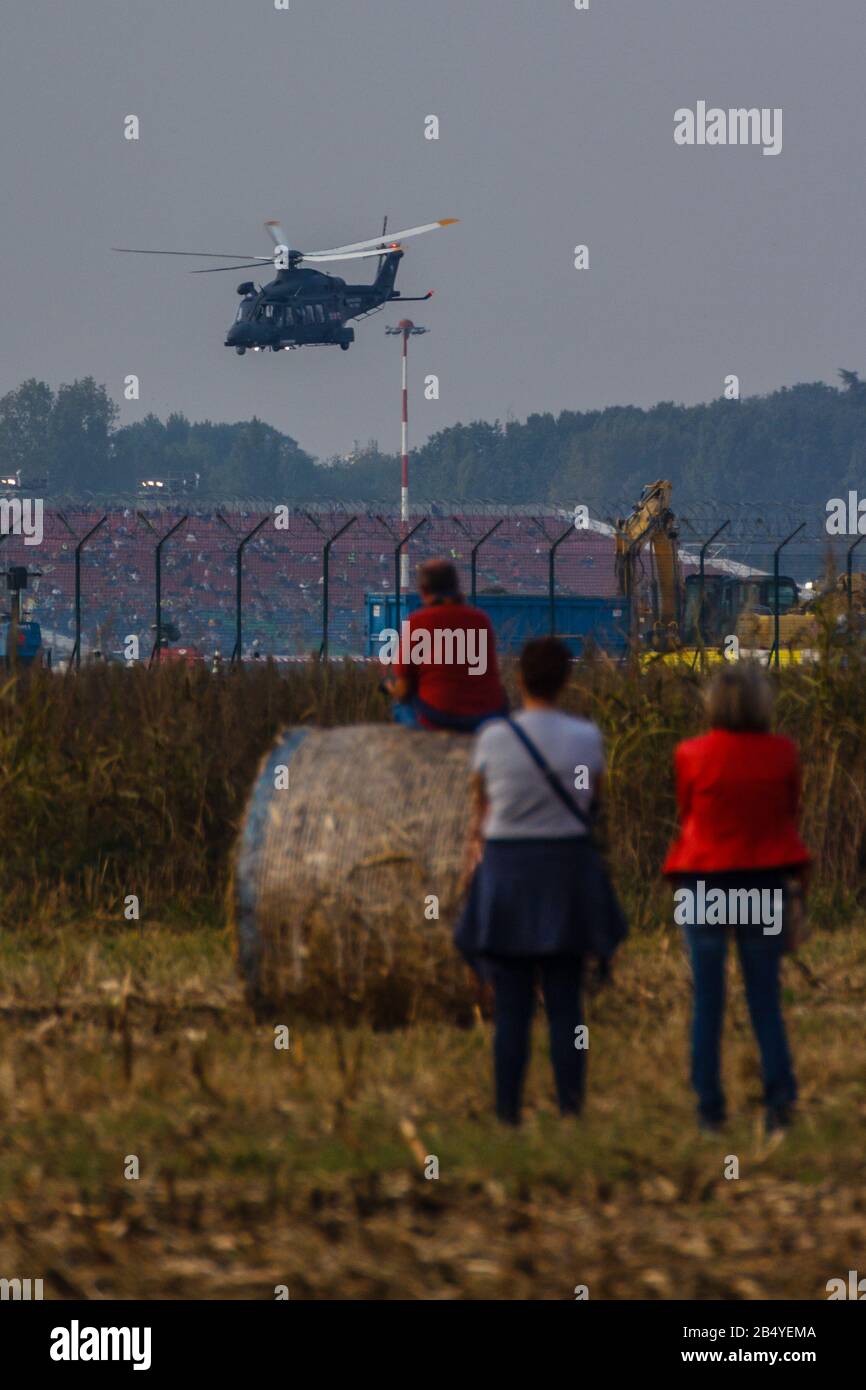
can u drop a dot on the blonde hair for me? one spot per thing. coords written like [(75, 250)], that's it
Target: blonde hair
[(739, 697)]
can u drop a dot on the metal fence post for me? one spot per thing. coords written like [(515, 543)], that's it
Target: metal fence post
[(326, 580), (76, 650), (849, 575), (551, 561), (473, 559), (157, 645), (473, 554), (776, 553), (404, 541), (8, 658), (701, 576), (397, 553), (237, 650)]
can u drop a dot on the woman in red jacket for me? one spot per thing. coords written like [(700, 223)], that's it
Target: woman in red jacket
[(735, 865)]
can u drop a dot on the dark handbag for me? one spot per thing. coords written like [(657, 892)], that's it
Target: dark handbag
[(615, 925)]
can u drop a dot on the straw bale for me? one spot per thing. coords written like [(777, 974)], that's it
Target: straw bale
[(339, 873)]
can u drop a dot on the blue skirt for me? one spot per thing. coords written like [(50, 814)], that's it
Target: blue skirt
[(540, 898)]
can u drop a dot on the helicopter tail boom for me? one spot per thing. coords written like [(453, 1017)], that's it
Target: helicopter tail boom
[(387, 275)]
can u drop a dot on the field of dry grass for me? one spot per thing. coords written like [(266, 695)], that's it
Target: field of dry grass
[(305, 1167), (118, 781)]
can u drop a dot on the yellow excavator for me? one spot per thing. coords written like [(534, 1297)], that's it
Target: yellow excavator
[(827, 603), (655, 609), (675, 616)]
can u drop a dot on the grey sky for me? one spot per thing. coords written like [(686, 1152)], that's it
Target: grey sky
[(556, 129)]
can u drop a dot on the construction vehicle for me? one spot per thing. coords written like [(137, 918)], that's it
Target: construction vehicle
[(828, 606), (655, 609), (721, 606), (670, 614)]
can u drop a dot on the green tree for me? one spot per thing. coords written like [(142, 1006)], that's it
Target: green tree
[(26, 428), (81, 447)]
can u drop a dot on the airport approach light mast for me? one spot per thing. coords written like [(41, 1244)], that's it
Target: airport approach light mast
[(406, 330)]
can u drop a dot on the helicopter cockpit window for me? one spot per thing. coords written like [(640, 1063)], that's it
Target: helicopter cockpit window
[(269, 311), (308, 314), (320, 314)]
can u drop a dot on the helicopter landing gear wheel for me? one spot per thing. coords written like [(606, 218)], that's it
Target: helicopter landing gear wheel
[(240, 351), (345, 346)]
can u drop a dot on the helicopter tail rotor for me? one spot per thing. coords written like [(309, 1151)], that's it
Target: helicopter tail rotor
[(384, 233)]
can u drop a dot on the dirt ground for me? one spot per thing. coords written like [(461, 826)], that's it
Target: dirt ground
[(309, 1168)]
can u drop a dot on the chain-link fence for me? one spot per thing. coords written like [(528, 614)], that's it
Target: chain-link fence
[(255, 579)]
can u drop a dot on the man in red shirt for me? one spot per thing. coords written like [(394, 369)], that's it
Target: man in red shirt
[(444, 658)]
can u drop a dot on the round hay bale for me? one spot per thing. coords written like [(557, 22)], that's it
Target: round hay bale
[(348, 873)]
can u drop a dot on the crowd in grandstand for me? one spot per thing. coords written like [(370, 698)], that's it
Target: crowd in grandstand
[(282, 573)]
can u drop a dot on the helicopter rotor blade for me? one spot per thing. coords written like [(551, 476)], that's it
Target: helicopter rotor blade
[(244, 265), (208, 255), (276, 233), (316, 257), (377, 241)]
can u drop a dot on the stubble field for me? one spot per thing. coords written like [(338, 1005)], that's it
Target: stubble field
[(305, 1167), (127, 1047)]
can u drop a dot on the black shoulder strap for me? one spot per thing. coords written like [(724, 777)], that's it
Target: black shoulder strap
[(552, 780)]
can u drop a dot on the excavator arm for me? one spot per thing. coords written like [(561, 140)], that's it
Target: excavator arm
[(652, 521)]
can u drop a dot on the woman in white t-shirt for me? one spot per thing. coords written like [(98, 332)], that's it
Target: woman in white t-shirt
[(540, 901)]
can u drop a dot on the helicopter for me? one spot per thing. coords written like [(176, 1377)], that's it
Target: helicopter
[(305, 307)]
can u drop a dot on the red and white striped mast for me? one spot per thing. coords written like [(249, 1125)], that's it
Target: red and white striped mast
[(407, 329)]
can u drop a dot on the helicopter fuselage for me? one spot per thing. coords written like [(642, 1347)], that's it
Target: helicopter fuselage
[(303, 306), (307, 308)]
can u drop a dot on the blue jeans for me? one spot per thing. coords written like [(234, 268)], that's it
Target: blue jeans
[(513, 979), (760, 957), (409, 713), (404, 712)]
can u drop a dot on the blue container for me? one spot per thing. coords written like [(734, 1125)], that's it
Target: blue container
[(29, 641), (517, 617)]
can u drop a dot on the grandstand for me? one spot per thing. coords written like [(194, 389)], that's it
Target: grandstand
[(283, 569)]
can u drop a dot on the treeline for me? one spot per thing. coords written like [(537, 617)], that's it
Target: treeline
[(71, 434), (806, 442)]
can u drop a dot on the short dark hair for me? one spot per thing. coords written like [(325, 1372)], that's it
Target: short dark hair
[(439, 579), (545, 664)]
